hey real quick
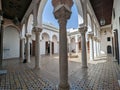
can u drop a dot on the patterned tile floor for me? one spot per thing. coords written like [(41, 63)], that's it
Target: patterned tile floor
[(101, 74)]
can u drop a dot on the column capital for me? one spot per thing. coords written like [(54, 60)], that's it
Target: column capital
[(57, 3), (83, 30), (62, 11), (22, 38), (90, 34), (28, 35), (95, 38), (37, 29)]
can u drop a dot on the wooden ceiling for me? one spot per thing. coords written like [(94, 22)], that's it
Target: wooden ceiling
[(15, 8), (103, 9)]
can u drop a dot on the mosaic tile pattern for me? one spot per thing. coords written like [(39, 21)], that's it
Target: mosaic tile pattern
[(100, 76)]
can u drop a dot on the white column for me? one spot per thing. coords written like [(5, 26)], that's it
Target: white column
[(99, 47), (91, 47), (22, 49), (63, 62), (50, 48), (63, 14), (76, 41), (28, 47), (37, 31), (83, 31), (95, 50)]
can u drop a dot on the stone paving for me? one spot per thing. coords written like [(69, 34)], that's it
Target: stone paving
[(101, 74)]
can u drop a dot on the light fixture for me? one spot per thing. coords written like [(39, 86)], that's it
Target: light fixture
[(16, 21), (102, 19), (1, 17)]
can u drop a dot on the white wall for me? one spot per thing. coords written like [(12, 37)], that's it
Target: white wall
[(115, 21), (11, 43), (104, 43)]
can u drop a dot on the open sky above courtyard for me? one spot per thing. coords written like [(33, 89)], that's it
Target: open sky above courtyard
[(48, 17)]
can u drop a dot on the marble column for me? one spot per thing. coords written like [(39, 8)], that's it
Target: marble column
[(28, 47), (37, 31), (91, 46), (83, 31), (76, 41), (62, 12), (50, 48), (95, 50), (22, 49), (1, 42)]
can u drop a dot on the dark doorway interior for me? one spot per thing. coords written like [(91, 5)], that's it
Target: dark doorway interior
[(109, 49), (116, 45), (47, 47), (52, 47), (33, 47)]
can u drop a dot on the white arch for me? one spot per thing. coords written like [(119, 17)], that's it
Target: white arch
[(23, 31), (78, 4), (11, 42), (45, 36), (54, 38), (89, 23), (42, 6), (40, 12), (30, 24)]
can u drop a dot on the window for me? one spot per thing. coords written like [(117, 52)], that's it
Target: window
[(108, 38)]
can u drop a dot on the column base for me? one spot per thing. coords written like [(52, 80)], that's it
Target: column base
[(85, 66), (63, 87), (37, 68)]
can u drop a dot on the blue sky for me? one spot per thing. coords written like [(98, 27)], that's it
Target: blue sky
[(48, 16)]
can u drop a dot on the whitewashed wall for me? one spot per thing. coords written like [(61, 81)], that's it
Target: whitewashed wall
[(104, 42), (11, 43), (115, 20)]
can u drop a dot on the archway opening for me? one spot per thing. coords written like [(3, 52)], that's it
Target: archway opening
[(11, 43)]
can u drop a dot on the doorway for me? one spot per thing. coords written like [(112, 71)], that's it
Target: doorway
[(109, 49)]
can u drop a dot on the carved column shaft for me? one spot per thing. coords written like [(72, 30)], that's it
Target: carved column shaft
[(63, 53), (62, 12)]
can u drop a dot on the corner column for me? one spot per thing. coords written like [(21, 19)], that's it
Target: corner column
[(37, 31), (83, 31), (28, 47)]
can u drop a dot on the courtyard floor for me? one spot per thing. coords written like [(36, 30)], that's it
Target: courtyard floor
[(102, 74)]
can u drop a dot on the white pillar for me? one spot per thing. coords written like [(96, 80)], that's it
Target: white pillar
[(76, 41), (63, 14), (83, 31), (91, 47), (37, 47), (95, 47), (63, 62), (22, 49), (28, 46), (50, 48)]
